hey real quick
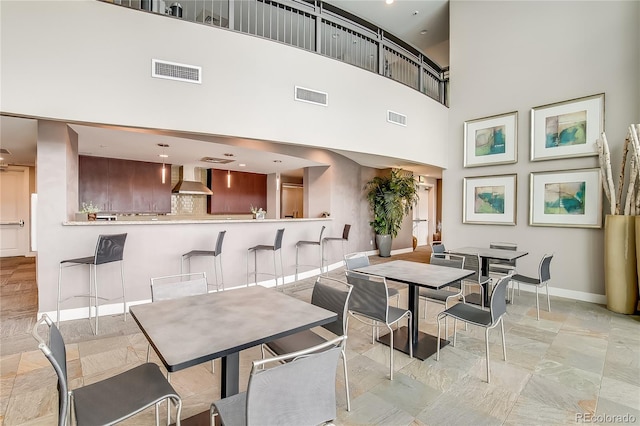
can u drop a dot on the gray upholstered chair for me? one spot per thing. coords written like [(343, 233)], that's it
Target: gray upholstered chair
[(109, 248), (544, 275), (215, 253), (303, 243), (369, 304), (300, 392), (107, 401), (472, 262), (444, 296), (438, 249), (360, 259), (332, 295), (275, 248), (343, 240), (480, 317)]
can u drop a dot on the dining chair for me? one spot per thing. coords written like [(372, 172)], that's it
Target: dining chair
[(110, 400), (109, 249), (472, 263), (332, 295), (275, 248), (543, 278), (216, 253), (304, 243), (369, 304), (502, 267), (438, 249), (343, 240), (480, 317), (359, 260), (444, 296), (299, 392)]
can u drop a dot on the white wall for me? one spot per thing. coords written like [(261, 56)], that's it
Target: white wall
[(90, 61), (508, 56)]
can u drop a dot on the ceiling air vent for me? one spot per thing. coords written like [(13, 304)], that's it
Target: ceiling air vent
[(217, 160), (175, 71), (396, 118), (311, 96), (4, 151)]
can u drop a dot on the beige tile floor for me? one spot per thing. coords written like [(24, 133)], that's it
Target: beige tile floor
[(579, 360)]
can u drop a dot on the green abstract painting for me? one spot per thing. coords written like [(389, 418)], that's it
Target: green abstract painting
[(565, 198), (489, 200), (566, 129), (490, 141)]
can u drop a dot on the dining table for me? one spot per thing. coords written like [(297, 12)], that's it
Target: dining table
[(416, 275), (486, 254), (191, 330)]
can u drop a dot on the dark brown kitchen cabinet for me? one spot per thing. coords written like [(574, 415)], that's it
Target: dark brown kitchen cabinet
[(247, 189), (124, 186)]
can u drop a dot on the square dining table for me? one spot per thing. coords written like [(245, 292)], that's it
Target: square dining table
[(487, 254), (416, 275), (191, 330)]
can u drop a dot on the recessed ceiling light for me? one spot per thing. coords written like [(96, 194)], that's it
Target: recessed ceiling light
[(163, 156), (388, 1), (227, 154), (423, 32), (163, 145), (277, 161), (241, 165), (415, 12)]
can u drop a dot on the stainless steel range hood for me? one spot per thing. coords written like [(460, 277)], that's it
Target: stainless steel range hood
[(190, 182)]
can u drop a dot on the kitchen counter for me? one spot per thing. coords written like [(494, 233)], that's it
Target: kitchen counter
[(173, 220)]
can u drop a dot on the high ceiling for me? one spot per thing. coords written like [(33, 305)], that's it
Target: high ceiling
[(407, 19)]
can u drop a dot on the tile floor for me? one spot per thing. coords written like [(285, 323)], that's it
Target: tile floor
[(579, 360)]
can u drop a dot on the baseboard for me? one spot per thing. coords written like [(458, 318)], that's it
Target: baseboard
[(569, 294)]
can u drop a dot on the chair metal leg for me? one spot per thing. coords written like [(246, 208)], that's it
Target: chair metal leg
[(411, 336), (281, 265), (455, 327), (537, 305), (504, 346), (124, 298), (95, 285), (548, 300), (438, 341), (58, 303), (486, 341), (346, 379), (221, 274), (391, 351), (296, 262)]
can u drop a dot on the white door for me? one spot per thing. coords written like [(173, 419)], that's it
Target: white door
[(421, 216), (14, 211)]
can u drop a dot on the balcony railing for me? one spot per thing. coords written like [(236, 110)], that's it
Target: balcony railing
[(317, 27)]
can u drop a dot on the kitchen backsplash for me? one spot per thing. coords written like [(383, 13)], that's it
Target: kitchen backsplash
[(185, 204)]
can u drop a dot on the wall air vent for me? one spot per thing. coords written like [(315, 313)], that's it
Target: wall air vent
[(217, 160), (311, 96), (175, 71), (396, 118)]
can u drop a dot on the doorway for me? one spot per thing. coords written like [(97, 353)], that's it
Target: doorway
[(421, 216), (14, 211)]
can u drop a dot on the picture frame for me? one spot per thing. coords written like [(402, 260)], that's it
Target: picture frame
[(570, 198), (490, 200), (491, 140), (567, 129)]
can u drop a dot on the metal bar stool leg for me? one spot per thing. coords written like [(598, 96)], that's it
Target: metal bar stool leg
[(59, 290), (281, 265), (124, 298), (296, 262), (95, 285)]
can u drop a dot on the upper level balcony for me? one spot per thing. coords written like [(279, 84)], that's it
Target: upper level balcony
[(315, 26)]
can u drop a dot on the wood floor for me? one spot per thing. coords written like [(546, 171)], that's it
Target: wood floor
[(18, 295)]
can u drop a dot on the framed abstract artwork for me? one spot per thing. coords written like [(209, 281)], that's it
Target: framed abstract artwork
[(567, 129), (571, 198), (489, 200), (491, 140)]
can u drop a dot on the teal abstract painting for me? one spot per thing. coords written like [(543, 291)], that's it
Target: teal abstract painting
[(490, 141), (567, 198), (566, 129), (489, 200)]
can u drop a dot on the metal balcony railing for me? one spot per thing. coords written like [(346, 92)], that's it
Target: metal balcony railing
[(317, 27)]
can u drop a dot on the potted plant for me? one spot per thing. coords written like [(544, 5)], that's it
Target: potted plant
[(258, 213), (390, 198), (89, 211)]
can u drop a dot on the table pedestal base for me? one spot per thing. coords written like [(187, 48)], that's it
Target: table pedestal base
[(422, 349)]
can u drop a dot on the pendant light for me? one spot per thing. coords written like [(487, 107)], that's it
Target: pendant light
[(228, 178), (163, 156)]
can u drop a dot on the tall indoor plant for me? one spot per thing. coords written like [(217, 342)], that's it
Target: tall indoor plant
[(391, 198)]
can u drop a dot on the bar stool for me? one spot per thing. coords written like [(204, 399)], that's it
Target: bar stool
[(109, 248), (325, 240), (303, 243), (216, 254), (277, 246)]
